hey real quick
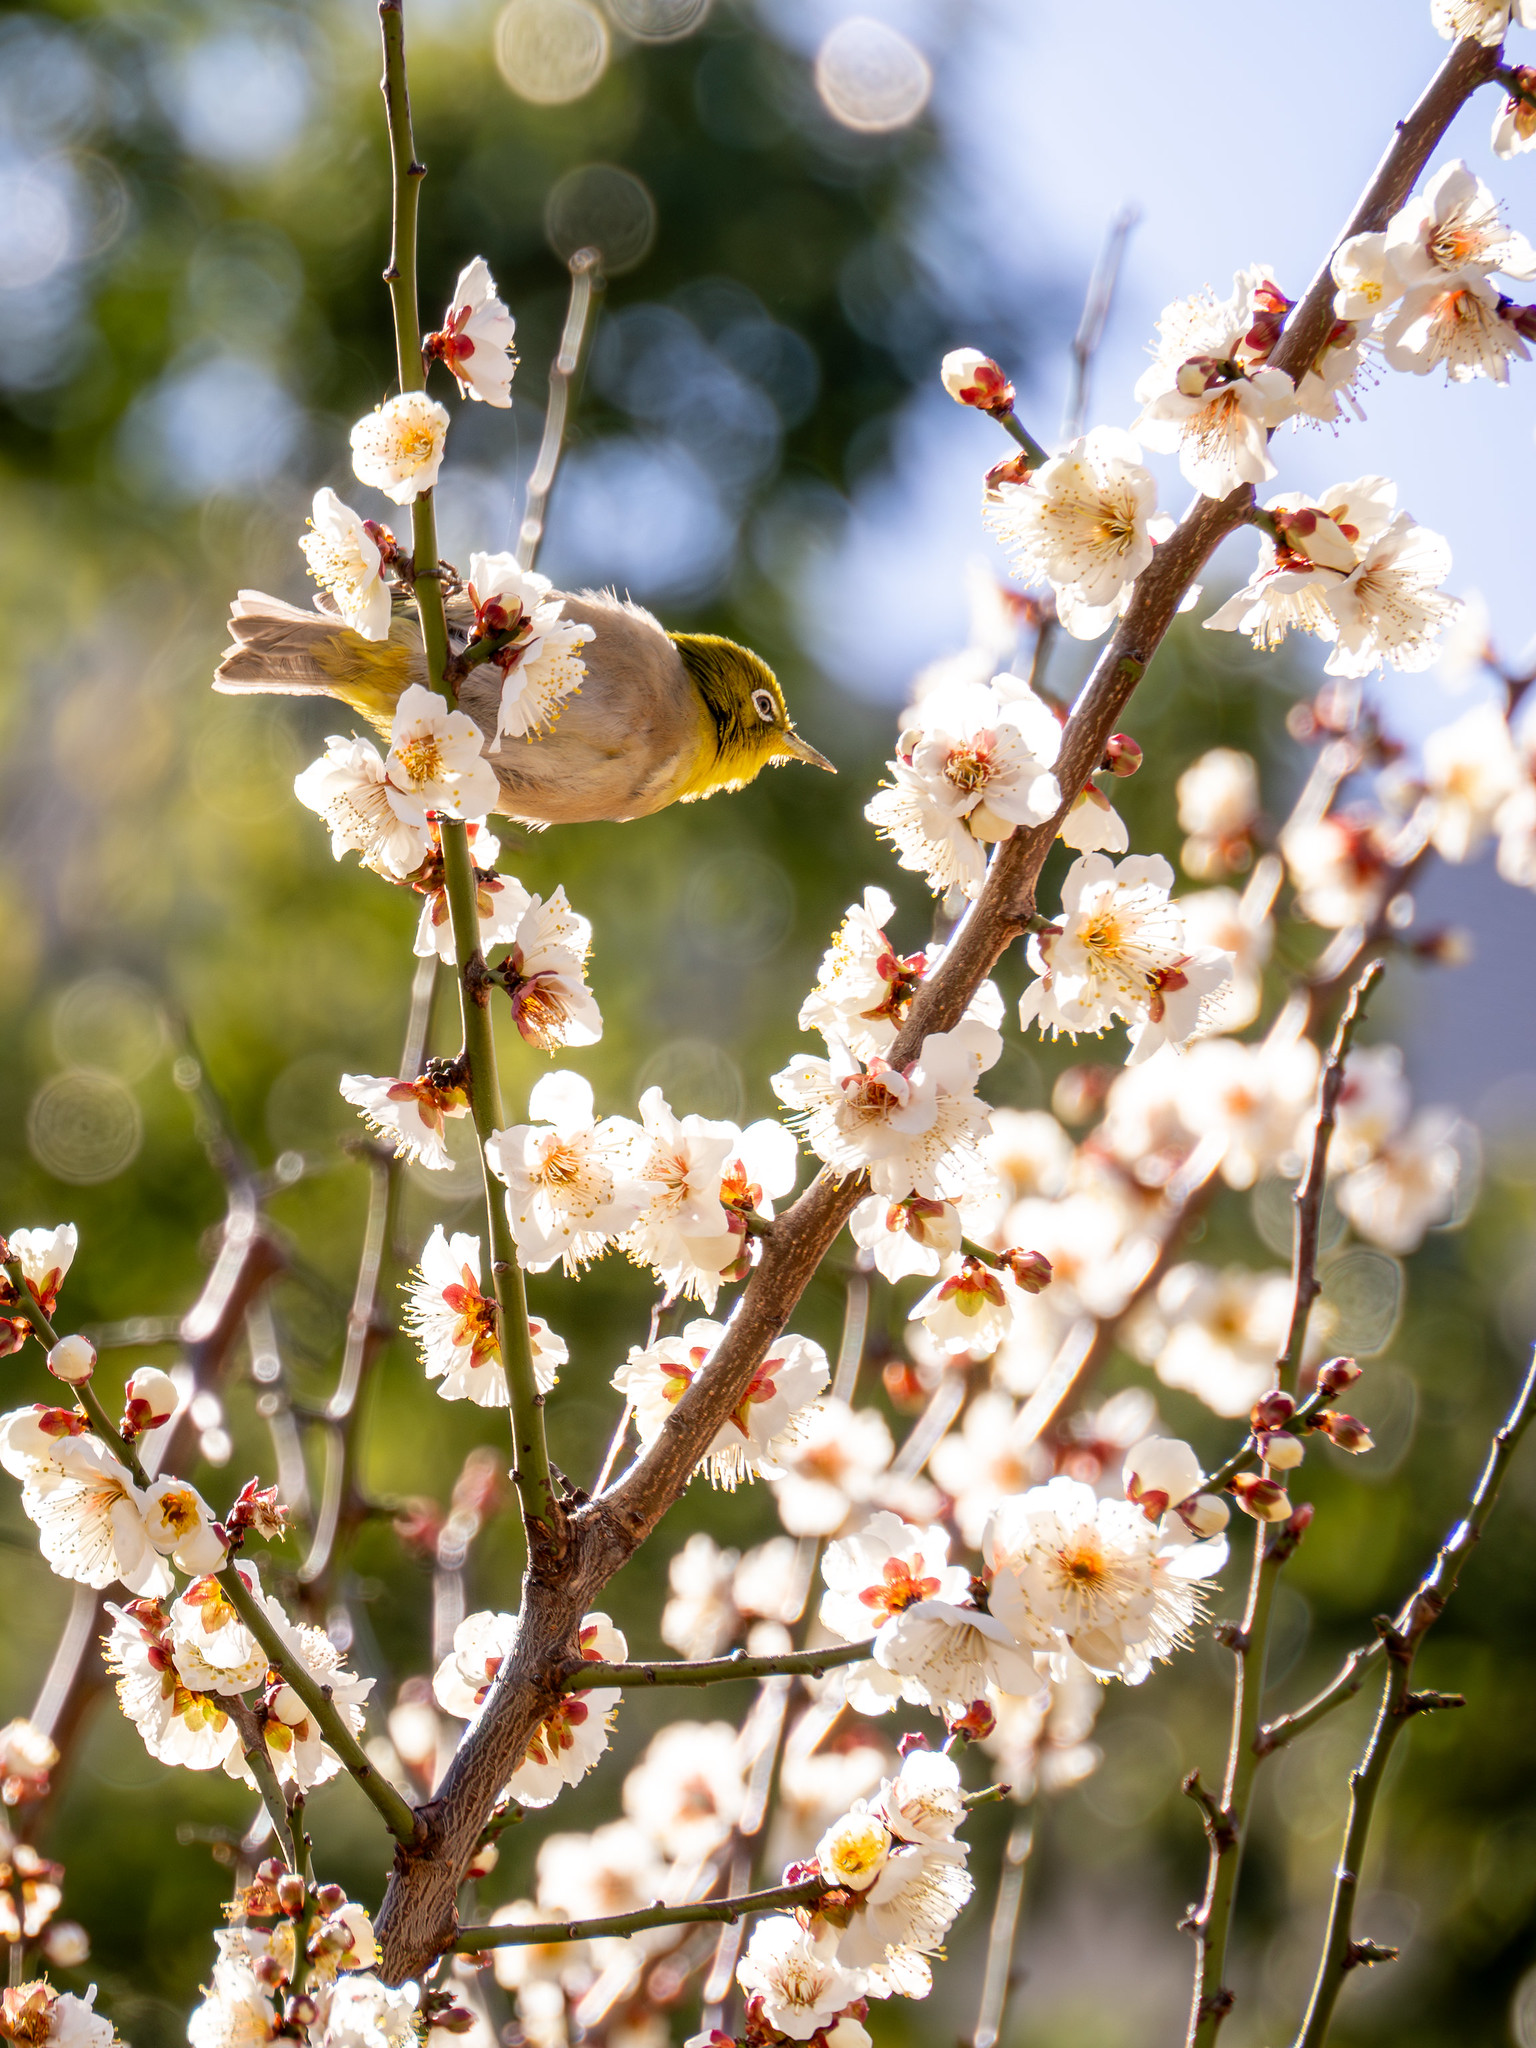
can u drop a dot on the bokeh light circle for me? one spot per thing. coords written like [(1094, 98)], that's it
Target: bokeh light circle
[(84, 1127), (870, 77), (110, 1023), (551, 51), (604, 208), (698, 1078), (658, 21)]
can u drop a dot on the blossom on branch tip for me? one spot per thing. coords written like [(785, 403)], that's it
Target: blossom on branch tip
[(1452, 230), (150, 1399), (348, 788), (435, 761), (766, 1420), (44, 1256), (475, 341), (454, 1325), (398, 447), (1080, 523), (346, 559), (569, 1189), (1120, 951), (409, 1114), (972, 378)]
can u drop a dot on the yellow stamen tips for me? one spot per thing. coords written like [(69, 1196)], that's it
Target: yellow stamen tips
[(421, 759)]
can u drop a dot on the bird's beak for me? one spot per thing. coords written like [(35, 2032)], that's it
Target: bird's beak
[(801, 750)]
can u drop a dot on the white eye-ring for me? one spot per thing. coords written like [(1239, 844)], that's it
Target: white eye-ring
[(764, 706)]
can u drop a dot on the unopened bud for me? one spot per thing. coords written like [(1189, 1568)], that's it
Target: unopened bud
[(1030, 1270), (1122, 756), (291, 1894), (914, 1739), (1451, 946), (269, 1871), (1013, 469), (978, 1720), (1336, 1375), (268, 1970), (150, 1398), (971, 378), (301, 2011), (73, 1360), (1261, 1498), (330, 1898), (1272, 1411), (1347, 1431), (67, 1945), (453, 2019), (1204, 1514), (904, 1386), (1280, 1450), (484, 1860)]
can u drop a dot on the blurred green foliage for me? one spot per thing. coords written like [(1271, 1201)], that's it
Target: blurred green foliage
[(147, 833)]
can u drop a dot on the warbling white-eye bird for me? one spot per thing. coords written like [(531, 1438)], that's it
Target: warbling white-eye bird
[(660, 717)]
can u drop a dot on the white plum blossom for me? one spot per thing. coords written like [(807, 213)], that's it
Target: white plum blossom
[(211, 1647), (569, 1192), (924, 1801), (92, 1521), (1074, 1572), (299, 1753), (178, 1725), (1081, 524), (995, 1451), (1470, 768), (475, 341), (1121, 951), (569, 1741), (545, 975), (1374, 1104), (764, 1423), (454, 1325), (1204, 397), (39, 2017), (909, 1236), (398, 447), (970, 1309), (1215, 1335), (1409, 1186), (1452, 228), (683, 1232), (349, 788), (540, 665), (976, 766), (904, 1916), (237, 2009), (864, 986), (1459, 322), (345, 559), (409, 1114), (913, 1129), (688, 1790), (793, 1976), (835, 1463), (435, 761), (1320, 542), (1218, 799), (500, 903), (1337, 866), (1390, 609), (1514, 125), (1250, 1100), (1241, 927), (1486, 21), (365, 2012), (884, 1569), (949, 1655)]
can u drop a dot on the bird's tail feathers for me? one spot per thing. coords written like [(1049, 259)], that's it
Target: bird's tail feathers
[(279, 649)]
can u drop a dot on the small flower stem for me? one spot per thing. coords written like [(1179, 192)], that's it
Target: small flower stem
[(398, 1815), (1400, 1640), (1515, 85), (1308, 1197), (1211, 1922), (973, 1250), (253, 1747), (470, 1940), (531, 1470), (584, 269), (1013, 425), (712, 1670)]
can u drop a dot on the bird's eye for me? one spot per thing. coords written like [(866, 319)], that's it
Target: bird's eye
[(764, 706)]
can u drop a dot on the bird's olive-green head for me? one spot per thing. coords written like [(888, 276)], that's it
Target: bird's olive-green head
[(746, 707)]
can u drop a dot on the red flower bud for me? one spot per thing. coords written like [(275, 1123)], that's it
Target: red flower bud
[(1261, 1498), (291, 1893), (1272, 1411), (1122, 756), (973, 379), (979, 1719), (1030, 1270), (1347, 1431), (914, 1739), (1337, 1374)]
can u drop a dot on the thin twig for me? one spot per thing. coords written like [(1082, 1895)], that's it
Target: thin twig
[(1401, 1640), (253, 1746), (1097, 305), (997, 1972), (584, 280), (712, 1670), (511, 1934), (1308, 1197)]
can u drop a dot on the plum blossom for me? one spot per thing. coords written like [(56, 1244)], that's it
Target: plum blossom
[(972, 378), (1514, 125), (1081, 524), (1249, 1100), (1121, 951), (1338, 866), (44, 1256), (1206, 398), (1469, 768), (349, 788), (569, 1190), (764, 1423), (1215, 1334), (971, 1309), (913, 1129), (545, 974), (540, 665), (683, 1231), (1452, 228), (1409, 1186), (793, 1977), (346, 559), (884, 1569), (995, 1451), (1073, 1572), (913, 1235), (475, 340), (1390, 609), (568, 1743), (1318, 543), (1485, 20), (454, 1325), (1218, 799), (976, 765), (435, 761), (500, 900), (34, 2014), (688, 1790), (178, 1725), (835, 1463), (923, 1802), (1240, 926), (410, 1114), (1461, 322), (94, 1525), (398, 447), (904, 1916), (865, 986)]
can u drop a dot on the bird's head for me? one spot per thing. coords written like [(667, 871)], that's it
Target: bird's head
[(746, 706)]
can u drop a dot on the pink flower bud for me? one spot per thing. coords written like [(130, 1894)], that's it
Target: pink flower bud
[(291, 1894), (978, 1720), (1347, 1431), (73, 1360), (1279, 1450), (1030, 1270), (1272, 1411), (1204, 1514), (1013, 469), (330, 1898), (1337, 1374), (971, 378), (914, 1739), (1122, 756), (1261, 1498), (149, 1398)]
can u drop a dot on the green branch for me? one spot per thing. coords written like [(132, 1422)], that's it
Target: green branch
[(711, 1670), (253, 1746), (531, 1472), (84, 1393), (509, 1934), (398, 1815)]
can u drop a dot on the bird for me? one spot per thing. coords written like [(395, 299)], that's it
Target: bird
[(659, 718)]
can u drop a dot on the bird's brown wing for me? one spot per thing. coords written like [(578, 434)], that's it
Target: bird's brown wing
[(622, 747)]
